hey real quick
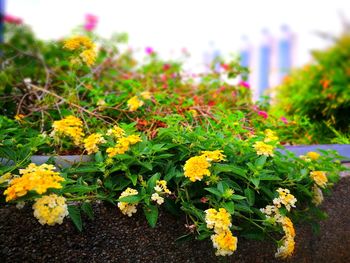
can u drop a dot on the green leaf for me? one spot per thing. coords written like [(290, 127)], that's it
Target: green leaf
[(230, 207), (87, 209), (269, 177), (259, 163), (79, 189), (132, 199), (243, 208), (250, 194), (229, 168), (214, 191), (151, 183), (74, 214), (133, 178), (99, 157), (151, 213), (238, 197)]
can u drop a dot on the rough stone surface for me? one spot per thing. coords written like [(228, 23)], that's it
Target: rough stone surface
[(112, 237)]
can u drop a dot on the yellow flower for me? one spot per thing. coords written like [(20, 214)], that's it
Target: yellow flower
[(34, 178), (286, 249), (116, 132), (126, 208), (78, 42), (146, 95), (313, 155), (122, 145), (19, 118), (285, 198), (89, 56), (91, 143), (263, 148), (161, 186), (320, 178), (214, 156), (270, 136), (317, 196), (196, 168), (70, 126), (50, 209), (134, 103), (85, 46), (157, 198), (218, 220), (193, 112), (224, 242)]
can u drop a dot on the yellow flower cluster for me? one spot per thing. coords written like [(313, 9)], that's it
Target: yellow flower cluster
[(218, 220), (313, 155), (214, 156), (50, 209), (146, 95), (116, 131), (288, 243), (134, 103), (85, 46), (91, 142), (70, 126), (34, 178), (223, 240), (320, 178), (196, 167), (263, 148), (285, 198), (225, 243), (126, 208), (317, 195), (286, 249), (123, 145), (161, 189), (270, 136)]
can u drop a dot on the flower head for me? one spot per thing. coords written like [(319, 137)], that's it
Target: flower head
[(270, 136), (91, 143), (34, 178), (161, 187), (70, 126), (146, 95), (320, 178), (224, 242), (90, 22), (134, 103), (157, 198), (50, 209), (317, 195), (116, 132), (313, 155), (214, 156), (218, 220), (127, 208), (263, 114), (196, 168), (263, 148), (84, 47), (285, 198)]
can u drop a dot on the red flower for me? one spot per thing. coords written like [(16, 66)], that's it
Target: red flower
[(244, 84), (13, 19), (263, 114), (90, 22)]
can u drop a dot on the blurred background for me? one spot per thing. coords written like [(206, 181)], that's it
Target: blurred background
[(271, 36)]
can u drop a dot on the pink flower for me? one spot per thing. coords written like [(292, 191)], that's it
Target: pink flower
[(13, 19), (244, 84), (149, 50), (90, 22), (284, 120), (263, 114)]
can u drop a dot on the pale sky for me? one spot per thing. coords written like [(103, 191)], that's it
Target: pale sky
[(169, 25)]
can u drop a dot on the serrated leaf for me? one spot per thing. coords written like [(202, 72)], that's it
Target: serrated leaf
[(151, 213), (74, 214)]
